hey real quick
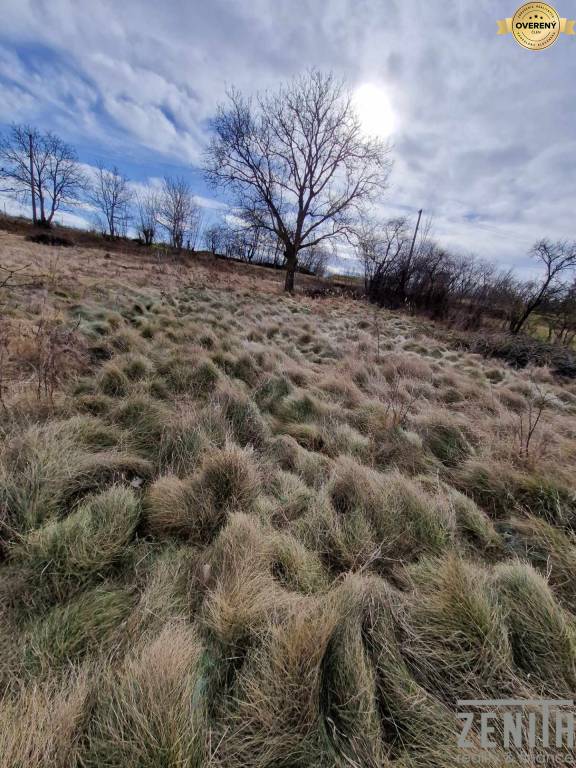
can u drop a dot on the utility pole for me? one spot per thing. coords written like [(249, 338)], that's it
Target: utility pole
[(32, 187), (414, 238)]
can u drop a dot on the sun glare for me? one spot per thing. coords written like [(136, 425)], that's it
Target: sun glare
[(374, 110)]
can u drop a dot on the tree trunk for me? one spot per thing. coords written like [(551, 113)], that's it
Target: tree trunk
[(32, 184), (291, 262)]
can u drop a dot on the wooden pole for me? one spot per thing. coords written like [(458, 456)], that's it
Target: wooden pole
[(414, 238)]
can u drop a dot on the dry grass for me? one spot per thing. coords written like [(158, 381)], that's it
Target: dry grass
[(247, 532)]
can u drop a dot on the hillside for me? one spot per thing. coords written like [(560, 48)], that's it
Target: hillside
[(240, 528)]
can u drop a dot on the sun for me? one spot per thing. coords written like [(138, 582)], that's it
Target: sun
[(374, 110)]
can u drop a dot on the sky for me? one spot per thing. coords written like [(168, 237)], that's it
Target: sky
[(483, 131)]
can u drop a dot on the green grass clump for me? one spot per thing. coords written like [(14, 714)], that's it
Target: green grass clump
[(144, 420), (136, 366), (180, 444), (243, 416), (405, 521), (228, 479), (68, 631), (292, 497), (447, 442), (550, 550), (271, 392), (48, 467), (502, 490), (542, 635), (112, 380), (457, 640), (83, 546), (295, 566)]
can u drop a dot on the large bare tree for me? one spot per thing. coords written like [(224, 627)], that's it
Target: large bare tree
[(112, 196), (297, 162), (40, 167)]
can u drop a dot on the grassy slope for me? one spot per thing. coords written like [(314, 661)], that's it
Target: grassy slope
[(252, 530)]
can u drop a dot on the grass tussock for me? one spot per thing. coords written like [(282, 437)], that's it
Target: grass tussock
[(84, 545), (150, 711), (68, 631)]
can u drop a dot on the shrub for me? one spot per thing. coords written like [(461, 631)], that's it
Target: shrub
[(520, 350)]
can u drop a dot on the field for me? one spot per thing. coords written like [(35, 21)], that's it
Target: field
[(245, 529)]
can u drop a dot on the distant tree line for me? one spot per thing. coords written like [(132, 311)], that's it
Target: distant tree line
[(465, 290)]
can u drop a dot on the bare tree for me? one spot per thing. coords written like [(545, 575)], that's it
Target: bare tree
[(558, 258), (112, 196), (148, 208), (215, 238), (380, 246), (195, 227), (179, 215), (42, 168), (297, 161), (315, 260)]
